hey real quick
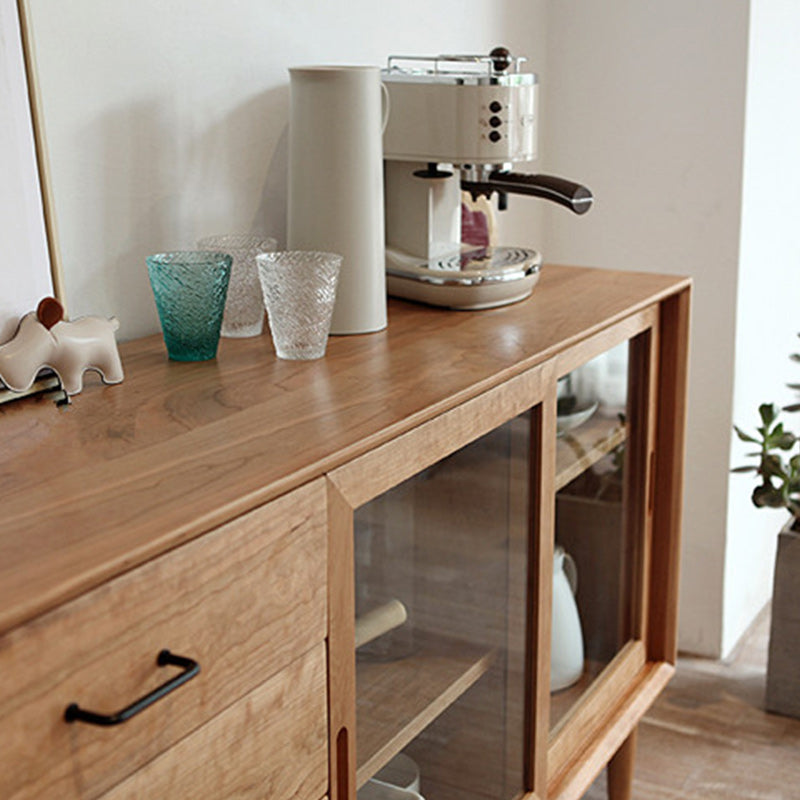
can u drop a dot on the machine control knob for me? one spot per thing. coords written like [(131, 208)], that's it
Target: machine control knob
[(495, 106), (501, 58), (495, 122), (495, 136)]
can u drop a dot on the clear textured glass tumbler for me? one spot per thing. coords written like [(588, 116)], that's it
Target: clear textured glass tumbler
[(244, 308), (299, 292), (190, 289)]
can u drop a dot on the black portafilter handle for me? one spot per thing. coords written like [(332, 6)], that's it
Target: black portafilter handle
[(572, 195)]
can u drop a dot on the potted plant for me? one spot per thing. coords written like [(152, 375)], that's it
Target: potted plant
[(778, 469)]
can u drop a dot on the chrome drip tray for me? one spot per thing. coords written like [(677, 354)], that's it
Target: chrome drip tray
[(475, 278)]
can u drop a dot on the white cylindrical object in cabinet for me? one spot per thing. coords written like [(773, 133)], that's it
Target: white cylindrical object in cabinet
[(335, 200), (380, 620), (566, 648)]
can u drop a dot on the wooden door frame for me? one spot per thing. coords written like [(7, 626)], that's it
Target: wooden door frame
[(587, 719), (655, 654), (367, 477), (556, 766)]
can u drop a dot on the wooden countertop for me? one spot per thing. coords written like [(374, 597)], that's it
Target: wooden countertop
[(132, 470)]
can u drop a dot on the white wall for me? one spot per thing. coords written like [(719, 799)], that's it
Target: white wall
[(768, 299), (21, 215), (167, 121), (645, 104)]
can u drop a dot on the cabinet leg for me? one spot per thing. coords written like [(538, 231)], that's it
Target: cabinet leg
[(620, 770)]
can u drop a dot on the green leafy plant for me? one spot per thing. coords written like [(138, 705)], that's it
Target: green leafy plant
[(778, 459)]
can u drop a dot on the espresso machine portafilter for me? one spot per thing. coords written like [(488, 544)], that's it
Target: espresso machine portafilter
[(458, 123)]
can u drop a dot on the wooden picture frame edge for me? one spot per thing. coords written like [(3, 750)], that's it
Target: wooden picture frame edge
[(40, 143), (45, 383)]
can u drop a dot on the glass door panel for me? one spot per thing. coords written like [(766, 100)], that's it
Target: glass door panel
[(596, 551), (441, 596)]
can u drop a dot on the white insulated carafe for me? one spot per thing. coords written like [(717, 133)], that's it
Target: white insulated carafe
[(335, 193)]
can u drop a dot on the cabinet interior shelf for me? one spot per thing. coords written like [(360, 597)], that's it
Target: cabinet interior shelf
[(584, 446), (396, 700)]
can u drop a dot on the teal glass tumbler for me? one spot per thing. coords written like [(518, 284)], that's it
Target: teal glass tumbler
[(190, 288)]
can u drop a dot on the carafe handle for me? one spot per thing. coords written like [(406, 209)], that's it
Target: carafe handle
[(385, 107), (571, 571)]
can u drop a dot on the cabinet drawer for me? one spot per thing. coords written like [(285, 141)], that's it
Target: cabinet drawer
[(245, 601), (272, 743)]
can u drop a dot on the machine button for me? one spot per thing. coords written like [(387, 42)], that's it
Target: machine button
[(495, 136), (495, 122), (495, 106)]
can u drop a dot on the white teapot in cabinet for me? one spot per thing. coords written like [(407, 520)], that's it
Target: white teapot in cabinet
[(566, 653)]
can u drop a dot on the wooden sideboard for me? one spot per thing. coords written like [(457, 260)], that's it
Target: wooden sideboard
[(208, 509)]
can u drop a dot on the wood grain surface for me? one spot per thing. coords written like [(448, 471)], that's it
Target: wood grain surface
[(572, 783), (376, 472), (540, 591), (244, 601), (668, 480), (620, 770), (341, 646), (708, 736), (397, 700), (272, 743), (132, 470), (590, 715)]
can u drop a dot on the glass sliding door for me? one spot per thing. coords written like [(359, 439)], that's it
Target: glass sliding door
[(441, 565), (599, 532)]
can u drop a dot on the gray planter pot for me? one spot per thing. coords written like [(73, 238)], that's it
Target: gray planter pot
[(783, 667)]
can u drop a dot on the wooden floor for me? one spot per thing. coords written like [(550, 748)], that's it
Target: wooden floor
[(708, 738)]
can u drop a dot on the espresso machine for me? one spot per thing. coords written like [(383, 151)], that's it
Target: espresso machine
[(458, 123)]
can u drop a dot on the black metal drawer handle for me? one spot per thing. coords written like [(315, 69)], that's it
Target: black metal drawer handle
[(165, 658)]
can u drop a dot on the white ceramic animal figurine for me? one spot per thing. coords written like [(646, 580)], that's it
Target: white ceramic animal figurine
[(45, 339)]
